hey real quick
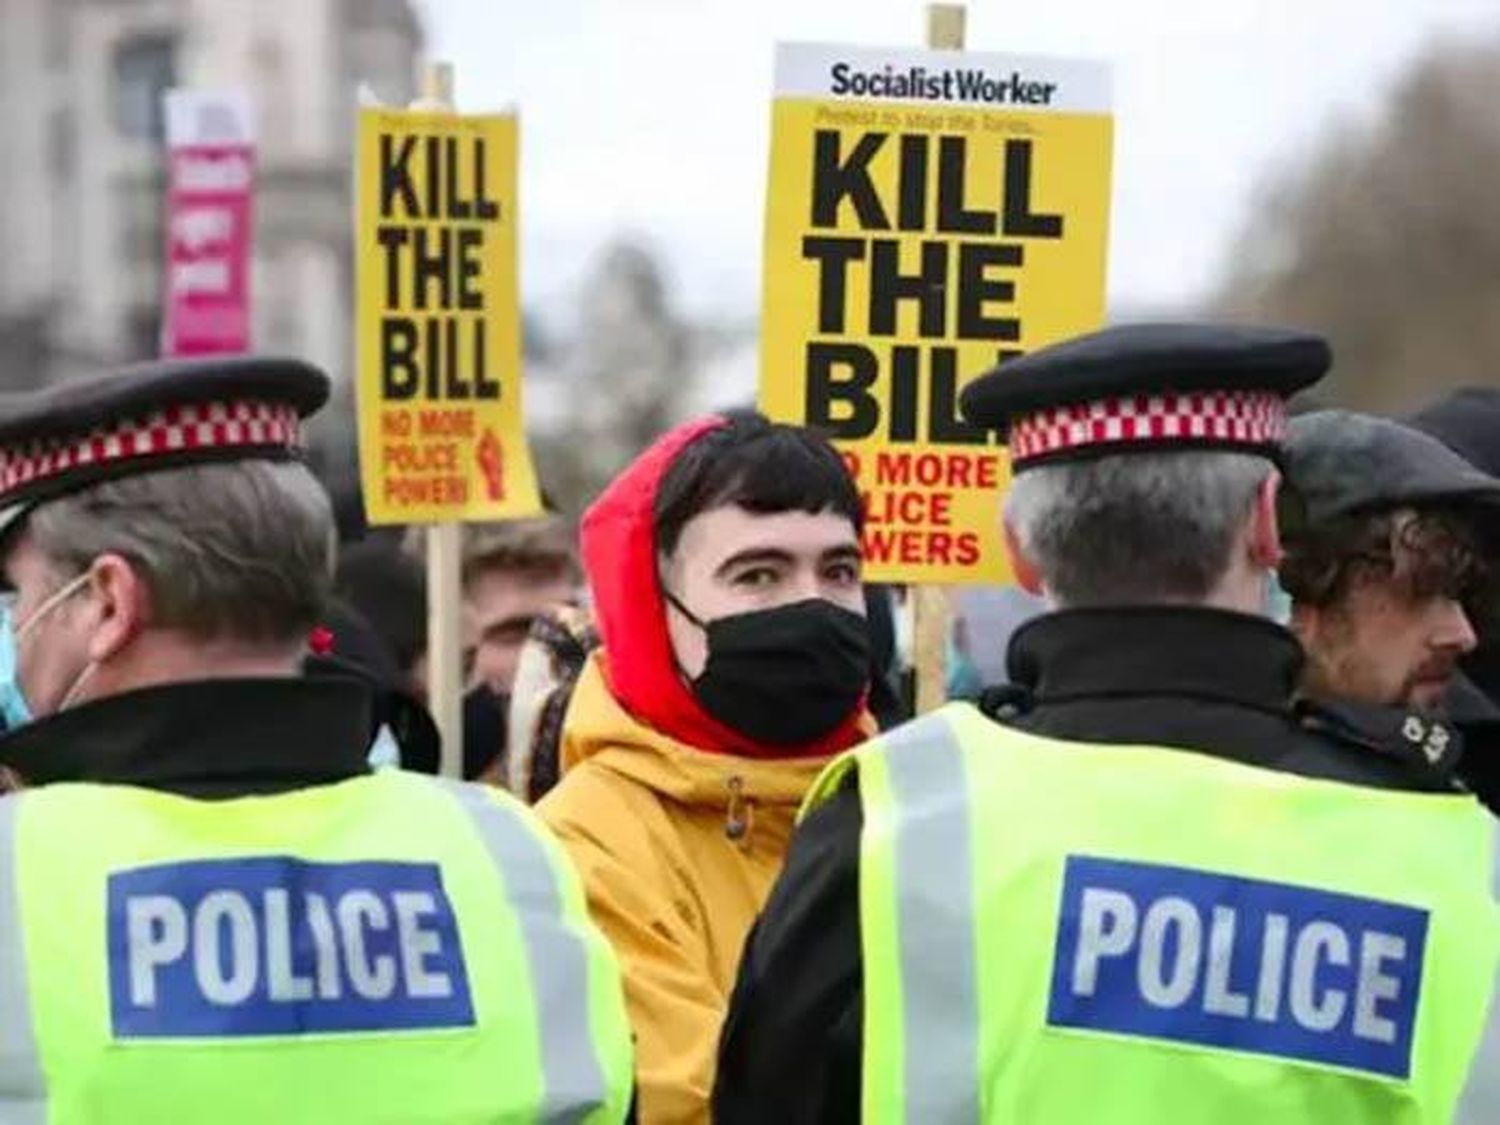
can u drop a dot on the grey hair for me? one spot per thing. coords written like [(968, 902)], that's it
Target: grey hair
[(1139, 529), (241, 551)]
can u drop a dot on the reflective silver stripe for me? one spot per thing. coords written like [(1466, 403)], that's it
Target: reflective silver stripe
[(934, 873), (1480, 1103), (23, 1088), (573, 1073)]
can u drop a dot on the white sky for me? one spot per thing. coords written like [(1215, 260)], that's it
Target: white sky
[(650, 117)]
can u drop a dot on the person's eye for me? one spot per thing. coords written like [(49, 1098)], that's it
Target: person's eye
[(758, 578), (846, 573)]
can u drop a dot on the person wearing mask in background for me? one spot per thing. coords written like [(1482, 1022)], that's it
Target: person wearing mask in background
[(512, 572), (211, 910), (385, 586), (402, 731), (725, 570), (1153, 891), (375, 628)]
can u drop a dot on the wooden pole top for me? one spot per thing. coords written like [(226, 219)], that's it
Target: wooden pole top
[(945, 26), (437, 84)]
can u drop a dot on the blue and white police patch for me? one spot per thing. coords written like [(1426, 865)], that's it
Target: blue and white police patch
[(278, 946), (1206, 958)]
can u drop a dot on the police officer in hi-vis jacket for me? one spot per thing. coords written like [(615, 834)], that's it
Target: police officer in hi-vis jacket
[(210, 909), (1147, 886)]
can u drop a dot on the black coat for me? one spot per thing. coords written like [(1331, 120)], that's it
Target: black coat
[(1192, 679), (210, 739)]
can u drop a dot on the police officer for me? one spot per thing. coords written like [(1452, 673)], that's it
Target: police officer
[(1152, 891), (210, 910)]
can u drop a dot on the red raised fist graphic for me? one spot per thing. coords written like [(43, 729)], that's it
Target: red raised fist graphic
[(491, 458)]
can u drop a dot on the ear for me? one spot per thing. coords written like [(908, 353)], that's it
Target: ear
[(124, 605), (1264, 545), (1028, 575)]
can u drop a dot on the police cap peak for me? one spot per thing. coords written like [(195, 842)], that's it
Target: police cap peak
[(151, 416), (1143, 387)]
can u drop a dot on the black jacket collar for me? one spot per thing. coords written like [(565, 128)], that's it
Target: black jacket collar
[(1154, 651), (217, 738)]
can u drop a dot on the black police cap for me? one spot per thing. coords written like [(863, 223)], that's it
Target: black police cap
[(1143, 387), (150, 417)]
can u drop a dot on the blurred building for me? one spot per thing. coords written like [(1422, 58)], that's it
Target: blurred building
[(81, 129)]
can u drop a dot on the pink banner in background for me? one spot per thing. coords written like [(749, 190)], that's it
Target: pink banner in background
[(210, 185)]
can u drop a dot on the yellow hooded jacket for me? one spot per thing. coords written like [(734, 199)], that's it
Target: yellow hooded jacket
[(678, 850), (679, 824)]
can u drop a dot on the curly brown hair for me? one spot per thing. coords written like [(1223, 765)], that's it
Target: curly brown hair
[(1429, 553)]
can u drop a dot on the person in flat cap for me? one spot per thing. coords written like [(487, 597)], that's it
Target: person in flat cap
[(211, 909), (1141, 884), (1383, 558)]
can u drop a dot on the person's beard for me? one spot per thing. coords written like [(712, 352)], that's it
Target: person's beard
[(1427, 684), (1344, 673)]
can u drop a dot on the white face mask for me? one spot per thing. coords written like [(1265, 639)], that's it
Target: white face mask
[(384, 751), (17, 709), (1275, 602)]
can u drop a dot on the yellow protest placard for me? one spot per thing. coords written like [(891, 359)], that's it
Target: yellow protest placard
[(441, 428), (930, 213)]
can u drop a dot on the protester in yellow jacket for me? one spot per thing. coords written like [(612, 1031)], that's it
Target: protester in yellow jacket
[(725, 571)]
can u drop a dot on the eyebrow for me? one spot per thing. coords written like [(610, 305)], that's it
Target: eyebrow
[(754, 555), (507, 624), (845, 552)]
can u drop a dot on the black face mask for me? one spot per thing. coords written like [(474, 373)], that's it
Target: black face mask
[(486, 719), (786, 676)]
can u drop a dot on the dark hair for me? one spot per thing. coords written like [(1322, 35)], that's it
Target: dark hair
[(1427, 553), (387, 587), (755, 464)]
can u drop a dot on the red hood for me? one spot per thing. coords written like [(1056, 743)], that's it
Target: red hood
[(619, 553)]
